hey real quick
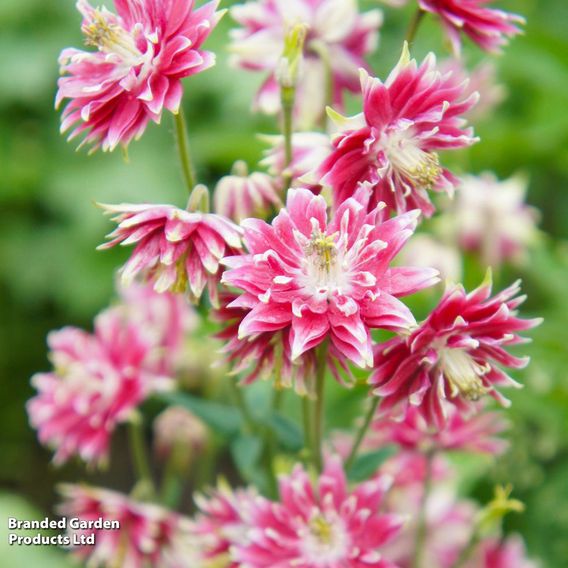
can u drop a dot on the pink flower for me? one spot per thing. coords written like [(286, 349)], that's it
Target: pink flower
[(267, 355), (323, 526), (393, 143), (176, 250), (146, 535), (490, 217), (449, 524), (323, 278), (456, 354), (487, 27), (475, 434), (97, 382), (143, 53), (222, 522), (338, 35), (309, 149), (241, 195), (506, 553), (163, 319)]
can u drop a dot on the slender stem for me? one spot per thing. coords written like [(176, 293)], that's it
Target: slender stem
[(321, 367), (468, 550), (307, 420), (172, 486), (287, 96), (250, 423), (414, 25), (183, 150), (362, 431), (139, 457), (422, 526)]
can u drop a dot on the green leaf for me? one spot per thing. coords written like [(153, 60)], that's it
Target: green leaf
[(367, 464), (287, 432), (246, 450), (222, 418)]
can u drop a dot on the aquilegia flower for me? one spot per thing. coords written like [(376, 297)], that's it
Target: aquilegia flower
[(321, 525), (143, 53), (148, 535), (241, 195), (456, 354), (393, 143), (176, 250), (487, 27), (338, 36), (325, 278), (97, 382), (491, 218), (476, 433), (222, 522)]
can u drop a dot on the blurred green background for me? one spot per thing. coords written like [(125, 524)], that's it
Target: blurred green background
[(51, 275)]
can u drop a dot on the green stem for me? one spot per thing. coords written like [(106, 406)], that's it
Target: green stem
[(182, 138), (287, 96), (321, 367), (307, 420), (172, 486), (362, 431), (422, 526), (139, 457), (414, 25)]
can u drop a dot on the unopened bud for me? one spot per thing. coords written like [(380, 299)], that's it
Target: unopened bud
[(290, 62), (501, 505)]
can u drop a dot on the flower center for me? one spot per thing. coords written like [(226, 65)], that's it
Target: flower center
[(325, 542), (321, 530), (109, 36), (407, 159), (322, 250), (463, 373)]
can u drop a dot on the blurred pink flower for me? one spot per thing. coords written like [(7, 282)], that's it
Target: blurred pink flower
[(487, 27), (456, 354), (506, 553), (477, 433), (321, 525), (176, 250), (490, 217), (222, 522), (449, 524), (143, 53), (309, 149), (149, 535), (179, 433), (393, 143), (241, 195), (97, 382), (338, 36), (325, 278)]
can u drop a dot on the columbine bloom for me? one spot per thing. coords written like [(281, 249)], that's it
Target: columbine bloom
[(457, 354), (241, 195), (393, 143), (322, 526), (490, 217), (309, 149), (222, 522), (149, 535), (487, 27), (176, 250), (506, 553), (338, 35), (323, 278), (143, 53), (474, 434), (97, 382)]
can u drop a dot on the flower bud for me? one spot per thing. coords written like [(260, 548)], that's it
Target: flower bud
[(290, 62)]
